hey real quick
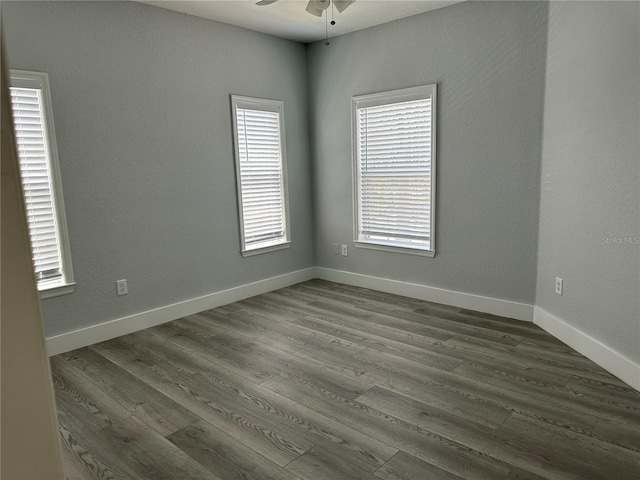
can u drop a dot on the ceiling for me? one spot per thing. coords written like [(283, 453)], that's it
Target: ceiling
[(288, 18)]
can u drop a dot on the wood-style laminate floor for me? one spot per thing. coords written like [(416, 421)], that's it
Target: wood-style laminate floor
[(327, 381)]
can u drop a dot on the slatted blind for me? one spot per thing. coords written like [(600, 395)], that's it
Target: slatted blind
[(394, 152), (33, 157), (261, 177)]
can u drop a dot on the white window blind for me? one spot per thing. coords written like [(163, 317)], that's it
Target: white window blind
[(260, 168), (33, 155), (394, 135), (29, 100)]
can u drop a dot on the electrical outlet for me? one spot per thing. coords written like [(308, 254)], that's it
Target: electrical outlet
[(336, 249), (345, 252), (121, 287), (558, 285)]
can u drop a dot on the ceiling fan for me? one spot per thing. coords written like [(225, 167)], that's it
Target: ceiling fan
[(317, 7)]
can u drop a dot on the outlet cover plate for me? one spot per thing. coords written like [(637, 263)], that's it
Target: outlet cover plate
[(121, 287), (558, 285)]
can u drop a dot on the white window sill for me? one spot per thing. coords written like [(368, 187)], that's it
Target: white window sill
[(56, 290), (395, 248), (266, 249)]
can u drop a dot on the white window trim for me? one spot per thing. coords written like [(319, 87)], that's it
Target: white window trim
[(383, 98), (39, 80), (387, 247), (271, 106)]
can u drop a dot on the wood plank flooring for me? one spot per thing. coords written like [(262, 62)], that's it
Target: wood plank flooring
[(327, 381)]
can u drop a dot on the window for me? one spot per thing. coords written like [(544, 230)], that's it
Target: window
[(40, 175), (261, 171), (394, 170)]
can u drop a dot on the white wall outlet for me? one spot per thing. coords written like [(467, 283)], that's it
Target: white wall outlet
[(345, 252), (558, 285), (121, 287), (336, 249)]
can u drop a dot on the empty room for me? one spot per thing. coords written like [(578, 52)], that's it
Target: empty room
[(326, 239)]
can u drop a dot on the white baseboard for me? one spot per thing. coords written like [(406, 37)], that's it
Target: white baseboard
[(495, 306), (617, 364), (612, 361), (139, 321)]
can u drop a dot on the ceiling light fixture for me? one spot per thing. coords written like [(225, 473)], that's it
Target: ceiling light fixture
[(317, 8)]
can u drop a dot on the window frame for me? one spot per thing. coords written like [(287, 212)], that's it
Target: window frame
[(66, 284), (276, 106), (389, 98)]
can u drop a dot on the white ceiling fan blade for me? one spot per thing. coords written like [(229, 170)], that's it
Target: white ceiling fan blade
[(316, 7), (341, 5), (266, 2)]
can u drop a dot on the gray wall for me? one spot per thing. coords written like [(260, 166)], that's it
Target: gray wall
[(590, 206), (141, 103), (488, 60), (142, 112)]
